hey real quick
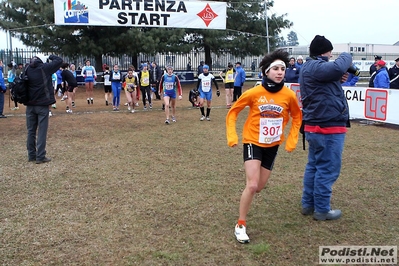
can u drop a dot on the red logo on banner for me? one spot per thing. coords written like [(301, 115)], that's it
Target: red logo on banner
[(376, 104), (207, 15), (296, 88)]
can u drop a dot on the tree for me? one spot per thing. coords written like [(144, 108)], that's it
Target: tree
[(281, 42), (245, 34), (292, 39)]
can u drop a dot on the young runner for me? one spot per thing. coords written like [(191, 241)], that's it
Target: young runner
[(130, 86), (90, 75), (204, 86), (270, 106), (69, 84), (168, 85), (116, 84), (228, 83), (107, 84)]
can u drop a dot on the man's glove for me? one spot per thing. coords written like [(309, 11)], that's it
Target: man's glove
[(218, 93)]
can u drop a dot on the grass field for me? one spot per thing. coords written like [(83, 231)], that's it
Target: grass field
[(126, 189)]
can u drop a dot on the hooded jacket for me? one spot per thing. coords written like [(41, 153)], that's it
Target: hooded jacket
[(323, 99), (40, 88)]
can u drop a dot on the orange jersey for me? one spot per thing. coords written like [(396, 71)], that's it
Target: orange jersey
[(268, 115)]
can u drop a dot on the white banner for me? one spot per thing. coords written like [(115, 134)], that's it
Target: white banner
[(367, 103), (141, 13)]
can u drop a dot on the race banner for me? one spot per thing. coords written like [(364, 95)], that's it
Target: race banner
[(141, 13)]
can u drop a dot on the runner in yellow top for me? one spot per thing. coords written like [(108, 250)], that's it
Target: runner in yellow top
[(130, 87), (145, 88), (270, 106), (228, 83)]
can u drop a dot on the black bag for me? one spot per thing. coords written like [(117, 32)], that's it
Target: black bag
[(19, 88)]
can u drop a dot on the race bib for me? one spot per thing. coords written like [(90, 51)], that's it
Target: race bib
[(206, 85), (117, 76), (146, 81), (169, 86), (230, 77), (89, 73), (270, 130)]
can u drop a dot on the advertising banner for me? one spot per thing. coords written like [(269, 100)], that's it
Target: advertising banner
[(141, 13)]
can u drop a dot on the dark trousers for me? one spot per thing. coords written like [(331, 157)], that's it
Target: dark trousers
[(237, 93), (146, 93), (1, 103), (36, 120)]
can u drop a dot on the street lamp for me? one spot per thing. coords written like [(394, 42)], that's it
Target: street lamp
[(267, 29)]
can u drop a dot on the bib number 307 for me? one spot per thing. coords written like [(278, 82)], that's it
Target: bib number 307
[(270, 130)]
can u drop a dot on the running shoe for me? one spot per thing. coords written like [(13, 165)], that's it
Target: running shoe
[(91, 100), (208, 118), (137, 104), (128, 108), (69, 111), (54, 106), (173, 119), (132, 111), (145, 108), (241, 234), (50, 113), (73, 104), (167, 121), (126, 104), (202, 118), (15, 108), (150, 105), (88, 100)]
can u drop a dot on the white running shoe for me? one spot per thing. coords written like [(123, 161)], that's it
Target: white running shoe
[(50, 114), (132, 111), (137, 104), (241, 234), (173, 119), (126, 104), (208, 118), (128, 108), (69, 111), (167, 121), (202, 118)]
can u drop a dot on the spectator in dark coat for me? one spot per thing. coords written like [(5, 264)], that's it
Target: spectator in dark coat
[(155, 76), (291, 72), (394, 75), (41, 95)]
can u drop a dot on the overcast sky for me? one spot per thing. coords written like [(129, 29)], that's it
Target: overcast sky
[(340, 21)]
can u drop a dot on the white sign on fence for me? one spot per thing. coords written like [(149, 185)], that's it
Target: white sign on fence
[(141, 13)]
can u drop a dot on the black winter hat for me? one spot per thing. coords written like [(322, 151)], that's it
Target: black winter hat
[(320, 45)]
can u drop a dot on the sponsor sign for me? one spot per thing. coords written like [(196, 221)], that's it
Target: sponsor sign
[(141, 13)]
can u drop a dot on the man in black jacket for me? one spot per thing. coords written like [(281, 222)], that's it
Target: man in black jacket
[(41, 95), (155, 76), (394, 75)]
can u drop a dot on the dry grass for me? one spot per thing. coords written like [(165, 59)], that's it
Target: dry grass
[(126, 189)]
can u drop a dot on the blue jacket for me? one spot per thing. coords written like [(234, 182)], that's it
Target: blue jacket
[(291, 74), (323, 99), (351, 81), (240, 77), (2, 84), (381, 79)]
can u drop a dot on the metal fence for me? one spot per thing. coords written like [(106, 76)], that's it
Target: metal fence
[(180, 61)]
